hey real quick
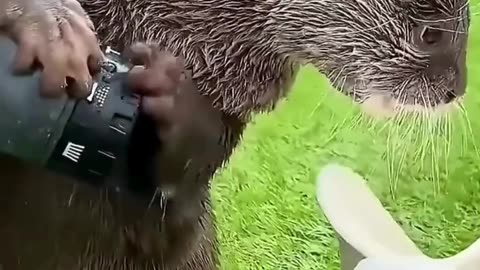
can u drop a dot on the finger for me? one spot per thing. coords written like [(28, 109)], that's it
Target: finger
[(54, 69), (25, 56), (80, 24), (52, 83), (78, 88), (68, 36), (150, 82), (90, 24), (94, 63), (75, 6), (85, 36), (82, 63), (78, 76), (87, 40), (48, 26), (95, 57), (79, 79)]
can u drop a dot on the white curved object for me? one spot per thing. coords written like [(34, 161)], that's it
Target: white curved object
[(370, 239)]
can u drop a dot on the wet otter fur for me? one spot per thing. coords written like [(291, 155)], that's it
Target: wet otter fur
[(244, 55)]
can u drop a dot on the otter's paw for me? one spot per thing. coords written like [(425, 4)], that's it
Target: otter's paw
[(57, 36), (170, 96)]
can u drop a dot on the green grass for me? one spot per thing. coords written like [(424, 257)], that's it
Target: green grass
[(264, 199)]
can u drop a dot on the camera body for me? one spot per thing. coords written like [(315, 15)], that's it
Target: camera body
[(84, 138)]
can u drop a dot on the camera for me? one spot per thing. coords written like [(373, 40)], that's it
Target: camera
[(84, 138)]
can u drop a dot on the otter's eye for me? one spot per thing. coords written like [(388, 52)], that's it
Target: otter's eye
[(431, 36)]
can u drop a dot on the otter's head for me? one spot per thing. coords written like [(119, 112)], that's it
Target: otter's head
[(406, 53)]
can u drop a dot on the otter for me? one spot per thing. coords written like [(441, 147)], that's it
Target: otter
[(243, 57)]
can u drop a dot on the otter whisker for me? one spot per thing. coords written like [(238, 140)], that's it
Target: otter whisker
[(464, 132), (447, 142), (389, 154), (390, 164), (418, 139), (434, 154), (469, 129), (404, 134), (423, 144), (401, 131), (424, 119)]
